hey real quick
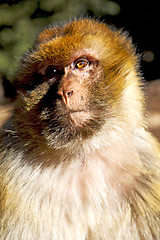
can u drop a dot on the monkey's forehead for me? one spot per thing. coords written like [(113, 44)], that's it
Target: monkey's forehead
[(62, 44), (63, 41), (64, 50)]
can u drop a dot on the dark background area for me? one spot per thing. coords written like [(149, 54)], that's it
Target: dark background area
[(20, 21), (142, 20)]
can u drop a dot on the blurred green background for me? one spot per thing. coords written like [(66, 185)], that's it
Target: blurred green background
[(20, 21)]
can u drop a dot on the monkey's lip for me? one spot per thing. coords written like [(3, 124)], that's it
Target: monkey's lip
[(78, 117), (78, 111), (69, 112)]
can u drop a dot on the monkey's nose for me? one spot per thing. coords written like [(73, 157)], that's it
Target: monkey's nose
[(65, 94)]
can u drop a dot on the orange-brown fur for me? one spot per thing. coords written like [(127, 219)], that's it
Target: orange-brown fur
[(76, 160)]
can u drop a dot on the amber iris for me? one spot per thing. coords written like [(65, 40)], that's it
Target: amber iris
[(81, 63)]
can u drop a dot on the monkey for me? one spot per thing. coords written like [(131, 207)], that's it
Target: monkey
[(77, 160)]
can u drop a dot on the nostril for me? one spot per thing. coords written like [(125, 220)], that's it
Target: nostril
[(70, 93)]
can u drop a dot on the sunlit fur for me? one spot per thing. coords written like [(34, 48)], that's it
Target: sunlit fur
[(87, 175)]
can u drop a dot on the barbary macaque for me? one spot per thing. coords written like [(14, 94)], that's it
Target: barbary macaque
[(77, 161)]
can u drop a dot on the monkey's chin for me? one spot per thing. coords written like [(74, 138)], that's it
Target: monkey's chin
[(79, 118)]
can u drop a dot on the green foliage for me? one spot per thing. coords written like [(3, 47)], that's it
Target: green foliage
[(20, 21)]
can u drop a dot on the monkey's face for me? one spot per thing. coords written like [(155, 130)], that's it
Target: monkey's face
[(62, 103), (69, 82)]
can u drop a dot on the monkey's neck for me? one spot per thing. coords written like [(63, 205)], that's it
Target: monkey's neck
[(117, 156)]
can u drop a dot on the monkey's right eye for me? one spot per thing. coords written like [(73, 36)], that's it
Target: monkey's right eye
[(81, 63)]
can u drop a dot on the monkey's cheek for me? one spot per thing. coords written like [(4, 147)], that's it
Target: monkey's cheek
[(80, 118)]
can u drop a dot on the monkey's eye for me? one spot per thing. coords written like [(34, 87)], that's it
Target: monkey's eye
[(81, 63), (51, 72)]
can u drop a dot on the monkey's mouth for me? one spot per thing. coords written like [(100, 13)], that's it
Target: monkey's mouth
[(79, 117)]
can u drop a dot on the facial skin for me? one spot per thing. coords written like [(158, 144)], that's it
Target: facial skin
[(76, 159)]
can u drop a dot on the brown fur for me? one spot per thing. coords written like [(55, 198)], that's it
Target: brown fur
[(76, 160)]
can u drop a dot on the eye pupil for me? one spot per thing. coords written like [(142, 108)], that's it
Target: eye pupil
[(80, 64)]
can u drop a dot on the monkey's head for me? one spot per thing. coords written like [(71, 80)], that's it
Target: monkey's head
[(73, 80)]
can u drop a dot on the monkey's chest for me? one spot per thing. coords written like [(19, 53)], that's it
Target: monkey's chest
[(61, 204), (75, 204)]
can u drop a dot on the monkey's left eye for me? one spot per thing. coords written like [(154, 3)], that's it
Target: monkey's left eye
[(81, 63), (51, 72)]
